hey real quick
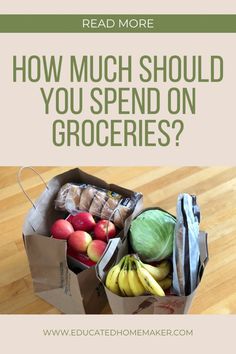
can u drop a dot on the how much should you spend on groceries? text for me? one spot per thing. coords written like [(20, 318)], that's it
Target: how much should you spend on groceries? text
[(114, 95)]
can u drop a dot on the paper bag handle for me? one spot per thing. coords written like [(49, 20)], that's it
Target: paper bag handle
[(20, 182), (108, 257)]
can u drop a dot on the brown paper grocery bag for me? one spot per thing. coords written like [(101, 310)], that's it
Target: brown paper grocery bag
[(70, 290), (52, 279), (148, 304)]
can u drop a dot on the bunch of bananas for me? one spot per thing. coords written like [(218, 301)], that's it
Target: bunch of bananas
[(132, 277)]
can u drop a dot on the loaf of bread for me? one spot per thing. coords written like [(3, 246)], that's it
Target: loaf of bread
[(99, 202)]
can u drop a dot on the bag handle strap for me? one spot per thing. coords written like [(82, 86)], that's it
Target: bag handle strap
[(19, 180)]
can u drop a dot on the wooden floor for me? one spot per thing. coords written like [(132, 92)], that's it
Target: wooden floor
[(216, 191)]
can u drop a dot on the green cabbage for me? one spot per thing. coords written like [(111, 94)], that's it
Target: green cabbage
[(151, 235)]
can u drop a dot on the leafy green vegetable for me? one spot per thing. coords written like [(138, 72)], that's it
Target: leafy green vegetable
[(151, 235)]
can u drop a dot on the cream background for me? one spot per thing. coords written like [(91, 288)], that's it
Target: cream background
[(208, 138), (25, 129), (121, 6), (210, 334)]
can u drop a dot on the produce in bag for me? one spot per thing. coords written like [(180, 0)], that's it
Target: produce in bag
[(86, 237), (151, 235), (132, 277), (99, 202)]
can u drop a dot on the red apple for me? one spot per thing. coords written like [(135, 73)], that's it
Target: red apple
[(104, 230), (96, 249), (82, 258), (83, 221), (79, 241), (61, 229)]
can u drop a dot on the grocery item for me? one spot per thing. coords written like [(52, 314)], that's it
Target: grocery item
[(61, 229), (96, 249), (104, 230), (130, 278), (165, 283), (160, 272), (83, 221), (123, 281), (73, 230), (83, 259), (149, 283), (79, 241), (135, 284), (112, 277), (151, 235), (99, 202)]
